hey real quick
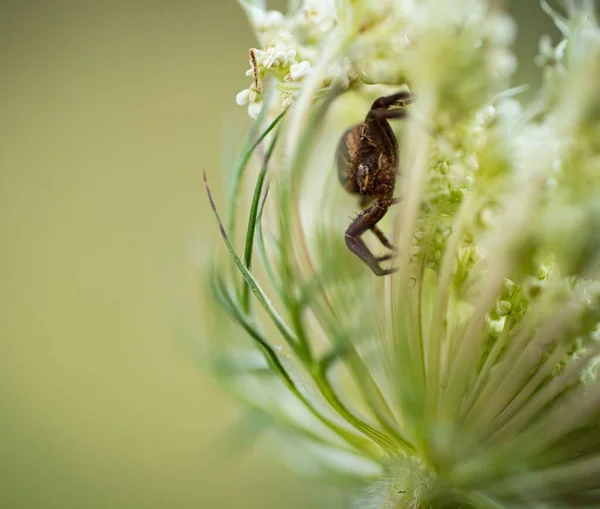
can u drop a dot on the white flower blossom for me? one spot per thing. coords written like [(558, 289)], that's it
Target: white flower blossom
[(469, 377), (275, 57), (548, 54)]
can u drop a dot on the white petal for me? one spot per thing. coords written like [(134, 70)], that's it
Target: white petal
[(269, 61), (242, 97), (298, 71), (254, 109), (545, 45), (559, 52)]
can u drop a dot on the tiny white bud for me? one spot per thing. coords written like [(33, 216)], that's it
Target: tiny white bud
[(545, 45), (486, 114), (298, 71), (497, 326), (502, 29), (291, 54), (502, 62), (486, 217), (254, 109), (543, 272), (559, 51), (503, 307), (509, 110), (242, 98), (272, 18)]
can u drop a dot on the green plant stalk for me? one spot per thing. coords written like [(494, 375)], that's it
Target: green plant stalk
[(273, 360)]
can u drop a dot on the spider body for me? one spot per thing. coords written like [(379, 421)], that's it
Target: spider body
[(363, 167), (367, 164)]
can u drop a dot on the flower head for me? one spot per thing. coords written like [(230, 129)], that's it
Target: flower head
[(469, 377)]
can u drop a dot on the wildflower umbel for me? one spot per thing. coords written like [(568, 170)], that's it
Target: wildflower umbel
[(467, 379)]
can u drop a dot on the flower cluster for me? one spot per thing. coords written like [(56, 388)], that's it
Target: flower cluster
[(290, 48), (383, 43), (468, 378)]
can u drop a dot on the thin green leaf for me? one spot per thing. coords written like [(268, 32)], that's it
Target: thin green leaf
[(320, 376), (239, 173), (286, 332), (252, 220), (273, 360), (260, 240)]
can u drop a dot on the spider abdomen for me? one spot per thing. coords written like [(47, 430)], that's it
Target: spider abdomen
[(347, 158)]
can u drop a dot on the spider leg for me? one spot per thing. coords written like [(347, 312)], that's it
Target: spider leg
[(361, 224), (397, 99), (386, 114), (380, 235), (382, 238), (385, 257)]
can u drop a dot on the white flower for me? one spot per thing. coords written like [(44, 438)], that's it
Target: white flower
[(252, 98), (275, 57), (338, 73), (469, 376), (250, 95), (299, 70), (548, 54), (320, 13), (282, 39)]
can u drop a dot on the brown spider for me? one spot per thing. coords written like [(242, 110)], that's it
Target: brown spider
[(367, 164)]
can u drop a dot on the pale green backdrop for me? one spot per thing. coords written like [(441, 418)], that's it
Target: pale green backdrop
[(109, 113)]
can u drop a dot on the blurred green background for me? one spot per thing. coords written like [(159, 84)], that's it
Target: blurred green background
[(109, 113)]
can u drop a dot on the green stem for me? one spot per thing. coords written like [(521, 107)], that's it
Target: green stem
[(319, 373), (273, 360)]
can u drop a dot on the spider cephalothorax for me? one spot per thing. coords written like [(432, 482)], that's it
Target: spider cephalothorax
[(367, 164)]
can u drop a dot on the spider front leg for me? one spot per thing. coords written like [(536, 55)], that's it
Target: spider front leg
[(398, 99), (386, 114), (366, 221)]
